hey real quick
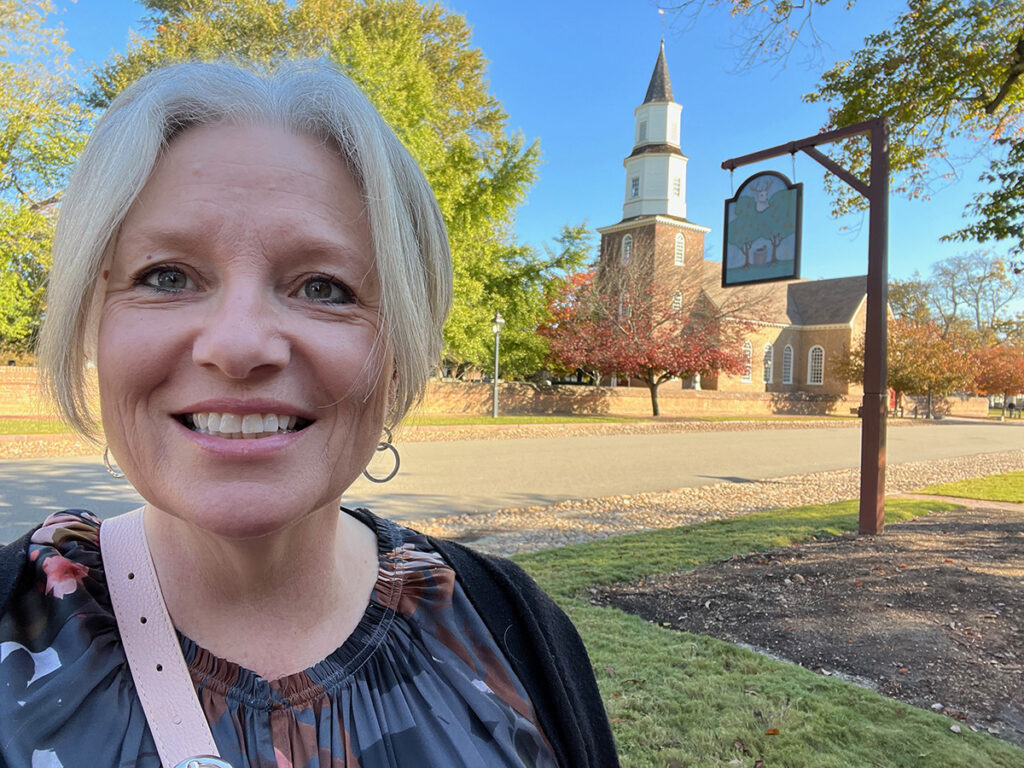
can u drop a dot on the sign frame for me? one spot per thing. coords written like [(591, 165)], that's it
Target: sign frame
[(788, 223)]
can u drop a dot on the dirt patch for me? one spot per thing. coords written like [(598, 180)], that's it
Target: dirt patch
[(930, 613)]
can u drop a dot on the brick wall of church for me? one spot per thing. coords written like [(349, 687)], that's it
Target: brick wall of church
[(832, 340), (658, 241)]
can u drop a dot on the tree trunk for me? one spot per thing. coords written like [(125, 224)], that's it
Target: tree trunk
[(655, 409)]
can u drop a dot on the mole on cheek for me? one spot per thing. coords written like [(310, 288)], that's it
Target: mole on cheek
[(106, 273)]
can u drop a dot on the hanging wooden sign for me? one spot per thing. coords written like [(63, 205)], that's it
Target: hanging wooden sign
[(762, 231)]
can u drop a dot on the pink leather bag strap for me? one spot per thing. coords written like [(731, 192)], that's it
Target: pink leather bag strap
[(158, 668)]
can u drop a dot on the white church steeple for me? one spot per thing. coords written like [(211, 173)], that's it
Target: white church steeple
[(656, 169)]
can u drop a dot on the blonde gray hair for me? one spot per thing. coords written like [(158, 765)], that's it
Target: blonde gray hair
[(406, 226)]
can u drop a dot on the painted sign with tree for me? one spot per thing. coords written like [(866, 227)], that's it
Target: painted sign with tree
[(762, 230)]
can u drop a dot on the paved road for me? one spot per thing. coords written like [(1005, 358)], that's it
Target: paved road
[(477, 476)]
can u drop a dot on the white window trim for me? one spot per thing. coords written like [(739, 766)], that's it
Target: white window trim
[(748, 359), (677, 301), (680, 251), (634, 187), (768, 366), (626, 248), (787, 356), (810, 366)]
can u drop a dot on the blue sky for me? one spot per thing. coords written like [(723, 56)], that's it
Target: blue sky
[(570, 72)]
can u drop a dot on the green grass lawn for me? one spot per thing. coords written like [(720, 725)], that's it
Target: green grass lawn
[(995, 413), (33, 427), (1008, 487), (678, 700)]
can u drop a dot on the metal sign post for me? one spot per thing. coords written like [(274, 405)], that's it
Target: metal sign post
[(873, 409)]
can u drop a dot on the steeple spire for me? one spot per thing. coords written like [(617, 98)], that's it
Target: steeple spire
[(660, 87)]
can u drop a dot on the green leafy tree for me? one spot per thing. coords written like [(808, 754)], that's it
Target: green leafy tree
[(908, 299), (41, 133), (533, 280), (942, 70), (417, 65), (1000, 211)]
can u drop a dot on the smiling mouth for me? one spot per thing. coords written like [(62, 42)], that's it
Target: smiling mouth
[(249, 426)]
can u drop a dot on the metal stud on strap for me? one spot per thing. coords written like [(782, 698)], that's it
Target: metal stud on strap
[(203, 761)]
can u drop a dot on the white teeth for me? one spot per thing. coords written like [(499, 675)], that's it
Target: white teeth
[(230, 423), (213, 423), (239, 426)]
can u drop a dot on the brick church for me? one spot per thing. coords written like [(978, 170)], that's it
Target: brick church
[(798, 326)]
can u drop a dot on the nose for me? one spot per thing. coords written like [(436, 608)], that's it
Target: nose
[(241, 336)]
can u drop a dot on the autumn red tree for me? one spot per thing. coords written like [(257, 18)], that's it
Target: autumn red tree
[(922, 360), (626, 324), (1000, 371)]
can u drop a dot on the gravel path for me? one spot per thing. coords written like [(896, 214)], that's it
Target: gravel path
[(508, 531)]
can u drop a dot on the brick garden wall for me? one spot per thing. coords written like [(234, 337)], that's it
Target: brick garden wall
[(20, 396), (517, 398)]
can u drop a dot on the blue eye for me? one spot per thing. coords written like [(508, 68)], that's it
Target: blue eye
[(326, 291), (170, 279)]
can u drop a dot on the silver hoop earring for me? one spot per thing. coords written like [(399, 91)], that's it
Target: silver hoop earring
[(385, 445), (114, 470)]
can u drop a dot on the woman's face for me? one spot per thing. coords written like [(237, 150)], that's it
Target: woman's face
[(242, 382)]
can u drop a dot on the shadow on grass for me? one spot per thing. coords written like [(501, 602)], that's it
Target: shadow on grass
[(568, 570)]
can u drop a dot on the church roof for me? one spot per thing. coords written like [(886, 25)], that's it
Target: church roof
[(660, 87), (787, 302), (828, 302)]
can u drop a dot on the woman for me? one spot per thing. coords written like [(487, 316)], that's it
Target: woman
[(259, 272)]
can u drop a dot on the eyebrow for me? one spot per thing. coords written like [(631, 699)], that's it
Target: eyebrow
[(192, 239)]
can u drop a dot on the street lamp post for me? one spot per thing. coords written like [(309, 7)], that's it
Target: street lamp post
[(497, 324)]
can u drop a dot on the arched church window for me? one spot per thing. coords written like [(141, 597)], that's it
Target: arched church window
[(680, 257), (787, 365), (769, 361), (748, 355), (816, 366), (627, 247), (677, 301)]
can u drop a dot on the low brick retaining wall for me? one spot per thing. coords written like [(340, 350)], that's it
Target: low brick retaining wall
[(518, 398), (20, 396)]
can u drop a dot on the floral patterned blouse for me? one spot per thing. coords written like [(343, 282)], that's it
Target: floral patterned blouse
[(420, 682)]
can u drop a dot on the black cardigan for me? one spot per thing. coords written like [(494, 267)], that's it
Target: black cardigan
[(537, 638)]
